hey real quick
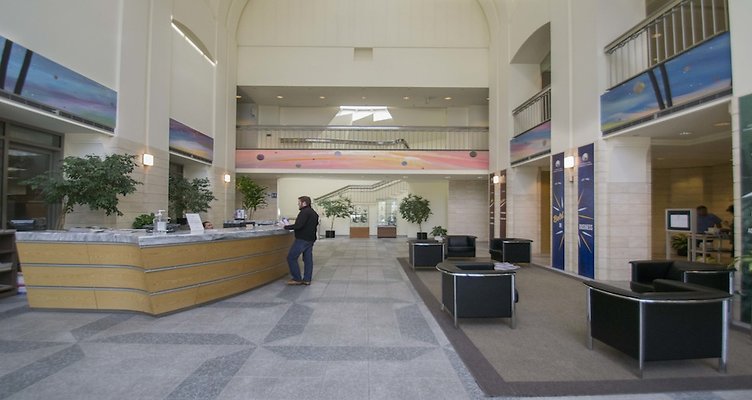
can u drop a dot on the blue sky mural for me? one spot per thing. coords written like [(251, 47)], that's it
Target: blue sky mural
[(535, 142), (53, 85), (698, 73), (190, 142)]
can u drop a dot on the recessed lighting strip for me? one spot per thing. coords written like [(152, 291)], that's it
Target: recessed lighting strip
[(194, 41)]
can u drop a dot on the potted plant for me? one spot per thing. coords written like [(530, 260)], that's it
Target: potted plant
[(143, 220), (679, 243), (340, 207), (416, 209), (254, 195), (438, 233), (90, 180), (188, 196)]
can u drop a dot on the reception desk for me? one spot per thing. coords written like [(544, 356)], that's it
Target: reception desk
[(154, 274)]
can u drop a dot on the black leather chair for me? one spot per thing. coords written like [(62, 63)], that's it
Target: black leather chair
[(644, 272), (676, 321), (510, 250), (473, 289), (460, 246)]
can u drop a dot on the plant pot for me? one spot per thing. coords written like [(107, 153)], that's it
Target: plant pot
[(681, 252), (329, 234), (422, 235)]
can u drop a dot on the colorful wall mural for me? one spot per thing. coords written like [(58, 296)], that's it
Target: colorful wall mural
[(703, 72), (407, 160), (189, 142), (62, 91), (532, 143)]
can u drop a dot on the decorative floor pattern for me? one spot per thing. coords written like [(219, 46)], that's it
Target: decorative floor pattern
[(359, 331)]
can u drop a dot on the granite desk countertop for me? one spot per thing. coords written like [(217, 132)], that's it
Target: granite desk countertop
[(144, 239)]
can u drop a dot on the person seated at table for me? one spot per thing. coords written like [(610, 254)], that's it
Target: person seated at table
[(706, 220), (208, 225)]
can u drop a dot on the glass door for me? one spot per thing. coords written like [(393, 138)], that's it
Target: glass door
[(25, 208)]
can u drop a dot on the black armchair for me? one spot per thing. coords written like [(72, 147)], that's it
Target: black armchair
[(510, 250), (460, 246), (676, 321), (645, 272)]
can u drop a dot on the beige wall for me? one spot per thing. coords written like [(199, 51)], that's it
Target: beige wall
[(688, 188), (467, 211)]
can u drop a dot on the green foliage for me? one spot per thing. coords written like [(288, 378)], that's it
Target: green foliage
[(143, 220), (191, 196), (254, 195), (340, 207), (415, 209), (438, 231), (679, 243), (89, 180)]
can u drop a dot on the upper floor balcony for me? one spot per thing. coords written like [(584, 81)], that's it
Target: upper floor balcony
[(676, 58)]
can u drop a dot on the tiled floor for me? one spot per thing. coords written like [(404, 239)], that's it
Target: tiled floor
[(358, 332)]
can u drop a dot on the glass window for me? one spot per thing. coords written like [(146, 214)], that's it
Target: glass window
[(36, 137), (25, 208)]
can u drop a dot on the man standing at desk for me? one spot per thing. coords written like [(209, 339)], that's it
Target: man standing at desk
[(305, 235), (706, 220)]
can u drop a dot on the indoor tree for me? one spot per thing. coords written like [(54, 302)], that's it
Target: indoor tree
[(415, 209), (90, 180), (339, 207), (254, 195), (191, 196)]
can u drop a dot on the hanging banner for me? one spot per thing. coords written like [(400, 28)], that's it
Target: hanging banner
[(491, 206), (745, 133), (586, 211), (503, 204), (557, 211)]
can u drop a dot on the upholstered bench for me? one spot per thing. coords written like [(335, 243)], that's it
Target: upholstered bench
[(645, 272)]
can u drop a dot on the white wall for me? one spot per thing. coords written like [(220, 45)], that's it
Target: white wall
[(73, 33), (415, 43)]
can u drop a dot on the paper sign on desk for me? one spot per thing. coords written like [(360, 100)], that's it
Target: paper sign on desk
[(505, 266), (194, 221)]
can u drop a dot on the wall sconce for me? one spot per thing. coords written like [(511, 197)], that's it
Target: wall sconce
[(568, 165), (569, 162), (227, 178), (496, 179), (148, 159)]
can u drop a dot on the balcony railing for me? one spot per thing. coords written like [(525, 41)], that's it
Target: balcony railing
[(533, 112), (353, 137), (669, 31)]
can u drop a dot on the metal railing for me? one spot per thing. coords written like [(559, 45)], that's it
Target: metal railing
[(353, 137), (533, 112), (364, 194), (669, 31)]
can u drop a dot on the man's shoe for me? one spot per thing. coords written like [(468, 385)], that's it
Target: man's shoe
[(307, 283), (293, 282)]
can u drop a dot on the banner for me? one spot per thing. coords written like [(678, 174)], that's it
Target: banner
[(503, 204), (586, 211), (745, 133), (557, 211)]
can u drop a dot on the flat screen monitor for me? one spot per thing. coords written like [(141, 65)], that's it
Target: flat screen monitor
[(680, 219)]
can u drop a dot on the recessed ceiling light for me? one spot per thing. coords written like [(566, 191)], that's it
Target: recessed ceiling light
[(685, 133), (448, 98), (280, 97), (722, 123), (406, 98), (363, 97), (322, 97), (446, 177)]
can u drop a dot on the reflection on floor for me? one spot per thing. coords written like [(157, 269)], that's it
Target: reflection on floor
[(358, 332)]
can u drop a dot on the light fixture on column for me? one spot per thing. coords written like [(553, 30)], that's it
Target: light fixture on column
[(568, 165), (148, 159), (496, 179), (227, 178), (569, 162)]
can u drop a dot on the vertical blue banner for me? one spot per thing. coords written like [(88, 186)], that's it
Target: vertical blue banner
[(557, 211), (586, 211)]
